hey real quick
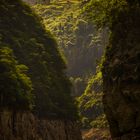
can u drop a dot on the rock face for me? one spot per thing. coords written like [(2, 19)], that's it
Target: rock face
[(25, 126), (121, 75)]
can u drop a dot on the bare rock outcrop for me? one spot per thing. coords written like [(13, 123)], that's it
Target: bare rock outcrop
[(25, 126)]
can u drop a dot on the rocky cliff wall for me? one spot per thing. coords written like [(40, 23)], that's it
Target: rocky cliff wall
[(121, 75), (25, 126)]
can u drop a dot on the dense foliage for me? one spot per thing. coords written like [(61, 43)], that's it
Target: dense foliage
[(82, 45), (121, 66), (33, 46), (79, 41), (105, 12), (90, 103), (15, 85), (102, 13)]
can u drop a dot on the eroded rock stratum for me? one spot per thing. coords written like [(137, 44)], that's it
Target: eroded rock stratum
[(25, 126)]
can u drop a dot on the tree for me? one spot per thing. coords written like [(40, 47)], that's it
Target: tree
[(15, 85)]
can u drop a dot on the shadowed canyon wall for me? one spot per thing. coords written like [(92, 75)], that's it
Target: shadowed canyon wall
[(32, 80), (121, 74), (25, 126)]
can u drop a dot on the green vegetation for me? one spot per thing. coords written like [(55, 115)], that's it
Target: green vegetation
[(22, 32), (82, 45), (102, 13), (121, 66), (90, 103), (33, 74), (15, 85), (79, 40)]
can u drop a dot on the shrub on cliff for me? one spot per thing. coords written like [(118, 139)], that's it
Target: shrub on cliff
[(15, 85)]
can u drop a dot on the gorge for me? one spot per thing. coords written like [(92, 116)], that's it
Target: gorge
[(69, 70)]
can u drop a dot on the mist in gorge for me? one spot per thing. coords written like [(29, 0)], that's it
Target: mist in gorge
[(69, 70)]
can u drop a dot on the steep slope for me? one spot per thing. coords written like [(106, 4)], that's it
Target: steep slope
[(35, 100), (79, 40), (25, 126), (121, 74), (121, 79), (82, 45), (93, 118), (15, 85), (21, 31), (91, 106)]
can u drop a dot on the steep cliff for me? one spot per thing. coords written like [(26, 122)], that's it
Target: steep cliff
[(25, 126), (21, 31), (33, 83), (121, 72), (90, 104), (82, 44)]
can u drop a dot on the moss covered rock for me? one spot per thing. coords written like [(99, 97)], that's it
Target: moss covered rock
[(121, 76)]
